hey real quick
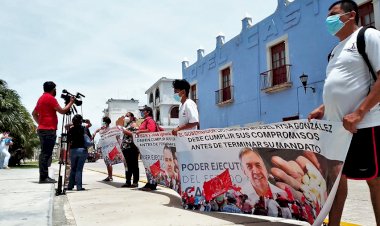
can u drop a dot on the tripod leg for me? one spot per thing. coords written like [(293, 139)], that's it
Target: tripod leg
[(63, 157)]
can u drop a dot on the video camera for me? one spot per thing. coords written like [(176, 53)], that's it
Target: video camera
[(66, 96)]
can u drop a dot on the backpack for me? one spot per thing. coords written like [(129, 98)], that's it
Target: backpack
[(360, 44)]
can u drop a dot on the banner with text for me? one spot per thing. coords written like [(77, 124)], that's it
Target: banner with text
[(158, 153), (110, 142), (286, 169)]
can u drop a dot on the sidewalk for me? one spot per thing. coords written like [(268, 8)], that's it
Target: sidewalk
[(108, 204), (25, 202)]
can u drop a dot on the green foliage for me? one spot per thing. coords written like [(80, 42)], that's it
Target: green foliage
[(15, 118)]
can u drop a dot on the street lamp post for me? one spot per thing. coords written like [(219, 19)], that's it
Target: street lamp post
[(303, 79)]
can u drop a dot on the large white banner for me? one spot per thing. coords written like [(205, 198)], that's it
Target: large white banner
[(284, 169)]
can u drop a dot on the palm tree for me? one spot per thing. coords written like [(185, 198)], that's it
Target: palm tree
[(15, 118)]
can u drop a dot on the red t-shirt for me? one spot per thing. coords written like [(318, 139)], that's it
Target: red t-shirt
[(149, 124), (47, 115)]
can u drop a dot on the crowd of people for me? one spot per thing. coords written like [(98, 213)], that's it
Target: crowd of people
[(46, 117), (346, 73)]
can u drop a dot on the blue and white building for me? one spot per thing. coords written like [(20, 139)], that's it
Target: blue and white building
[(254, 78)]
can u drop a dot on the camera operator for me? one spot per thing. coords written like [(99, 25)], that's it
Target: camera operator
[(46, 117)]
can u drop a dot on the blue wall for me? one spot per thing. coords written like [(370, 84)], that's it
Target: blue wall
[(308, 46)]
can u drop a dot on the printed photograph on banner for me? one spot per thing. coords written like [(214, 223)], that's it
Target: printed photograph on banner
[(291, 184), (158, 153), (110, 146)]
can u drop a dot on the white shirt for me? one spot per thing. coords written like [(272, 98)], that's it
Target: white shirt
[(188, 113), (348, 79)]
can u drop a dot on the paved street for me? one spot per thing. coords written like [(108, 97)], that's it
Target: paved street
[(25, 202)]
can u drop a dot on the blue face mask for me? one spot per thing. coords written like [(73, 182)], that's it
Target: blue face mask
[(334, 24), (177, 97)]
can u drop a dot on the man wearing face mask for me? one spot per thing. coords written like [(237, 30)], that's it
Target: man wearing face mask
[(45, 114), (348, 74), (188, 111)]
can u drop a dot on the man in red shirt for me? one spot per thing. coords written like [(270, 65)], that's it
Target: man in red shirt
[(46, 117)]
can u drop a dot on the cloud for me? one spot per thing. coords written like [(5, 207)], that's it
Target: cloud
[(110, 49)]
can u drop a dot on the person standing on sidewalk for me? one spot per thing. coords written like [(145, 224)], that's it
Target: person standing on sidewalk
[(5, 142), (105, 126), (148, 126), (188, 111), (45, 114), (352, 96), (78, 152), (130, 152)]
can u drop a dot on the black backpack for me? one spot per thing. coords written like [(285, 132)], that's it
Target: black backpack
[(360, 44)]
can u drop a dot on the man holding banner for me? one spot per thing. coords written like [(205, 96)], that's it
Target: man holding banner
[(347, 73), (188, 111)]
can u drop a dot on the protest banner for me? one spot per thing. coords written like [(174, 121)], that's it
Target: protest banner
[(287, 169), (109, 143), (158, 153)]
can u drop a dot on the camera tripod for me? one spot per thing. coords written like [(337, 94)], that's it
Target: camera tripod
[(64, 150)]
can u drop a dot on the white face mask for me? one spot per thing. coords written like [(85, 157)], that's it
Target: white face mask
[(84, 124), (126, 120)]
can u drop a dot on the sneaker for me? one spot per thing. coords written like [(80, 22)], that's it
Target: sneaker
[(47, 180), (134, 185), (108, 179), (81, 189)]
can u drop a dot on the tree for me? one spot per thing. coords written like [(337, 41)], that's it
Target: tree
[(15, 118)]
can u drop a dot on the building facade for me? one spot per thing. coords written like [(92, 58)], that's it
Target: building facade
[(119, 107), (254, 78), (160, 99)]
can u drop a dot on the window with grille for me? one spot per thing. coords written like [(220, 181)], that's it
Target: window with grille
[(367, 16), (226, 84), (278, 64), (151, 98), (174, 112), (193, 93)]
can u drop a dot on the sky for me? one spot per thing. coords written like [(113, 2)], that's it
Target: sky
[(110, 48)]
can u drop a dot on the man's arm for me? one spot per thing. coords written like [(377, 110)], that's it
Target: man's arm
[(317, 113), (350, 121), (66, 108), (184, 127), (35, 115)]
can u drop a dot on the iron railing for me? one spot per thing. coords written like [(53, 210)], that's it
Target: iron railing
[(275, 77), (224, 95)]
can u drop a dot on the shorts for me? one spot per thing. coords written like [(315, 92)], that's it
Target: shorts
[(363, 157)]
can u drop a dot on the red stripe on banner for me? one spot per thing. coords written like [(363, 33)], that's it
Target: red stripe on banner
[(217, 186), (113, 153), (155, 168)]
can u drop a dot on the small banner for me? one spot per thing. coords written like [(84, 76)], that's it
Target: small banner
[(110, 144)]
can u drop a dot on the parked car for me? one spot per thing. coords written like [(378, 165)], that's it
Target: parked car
[(93, 155)]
